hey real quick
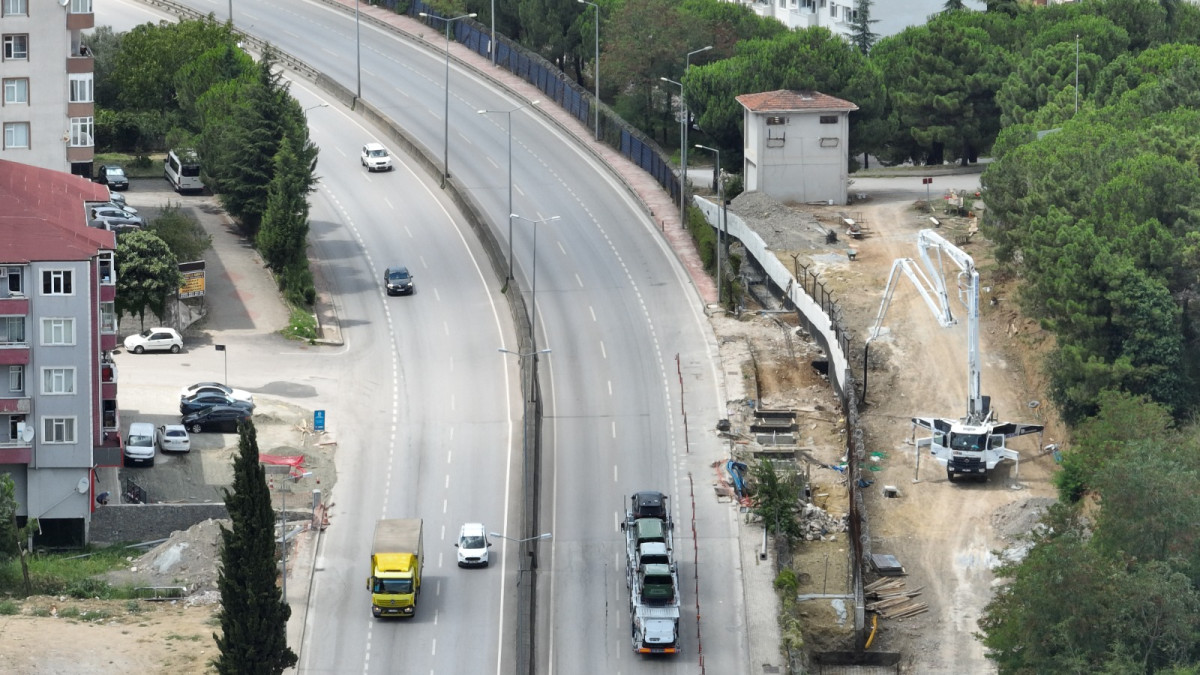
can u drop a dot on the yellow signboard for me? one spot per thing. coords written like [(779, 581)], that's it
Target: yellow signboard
[(193, 284)]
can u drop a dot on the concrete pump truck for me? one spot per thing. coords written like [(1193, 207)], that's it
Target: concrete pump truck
[(974, 444)]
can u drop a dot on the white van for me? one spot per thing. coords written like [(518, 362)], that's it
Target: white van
[(181, 168), (139, 444)]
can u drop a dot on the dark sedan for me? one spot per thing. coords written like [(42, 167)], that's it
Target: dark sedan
[(216, 418), (208, 399), (113, 176)]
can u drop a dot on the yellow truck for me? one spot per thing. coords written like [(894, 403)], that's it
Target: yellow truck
[(396, 560)]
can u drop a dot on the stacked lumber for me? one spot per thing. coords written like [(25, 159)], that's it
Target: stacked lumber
[(892, 600)]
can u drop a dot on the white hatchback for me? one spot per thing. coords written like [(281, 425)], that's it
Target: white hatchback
[(376, 157), (155, 339), (472, 546)]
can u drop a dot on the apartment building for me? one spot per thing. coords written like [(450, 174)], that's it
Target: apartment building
[(838, 17), (48, 110), (58, 327)]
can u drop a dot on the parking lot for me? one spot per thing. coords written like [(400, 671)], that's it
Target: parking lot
[(243, 313)]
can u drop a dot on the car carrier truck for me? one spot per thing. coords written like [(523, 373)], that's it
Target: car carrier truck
[(651, 575), (396, 560)]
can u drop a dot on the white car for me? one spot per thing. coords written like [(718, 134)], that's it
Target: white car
[(209, 387), (155, 339), (376, 157), (173, 438), (472, 546)]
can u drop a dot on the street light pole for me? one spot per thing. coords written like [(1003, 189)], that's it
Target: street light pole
[(720, 218), (283, 529), (509, 113), (533, 282), (683, 161), (492, 44), (541, 537), (597, 77), (357, 53), (682, 150), (446, 117)]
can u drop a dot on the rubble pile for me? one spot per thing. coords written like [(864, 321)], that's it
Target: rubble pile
[(816, 524)]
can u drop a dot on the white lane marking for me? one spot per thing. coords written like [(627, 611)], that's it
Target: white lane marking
[(615, 473), (593, 312), (447, 487), (603, 351), (389, 203), (578, 280), (560, 247), (610, 388)]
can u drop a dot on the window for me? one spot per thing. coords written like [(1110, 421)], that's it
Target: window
[(16, 7), (16, 47), (16, 424), (57, 282), (16, 379), (58, 430), (12, 330), (16, 135), (16, 91), (776, 120), (58, 332), (829, 119), (108, 317), (81, 6), (15, 285), (81, 87), (104, 261), (58, 381), (81, 132)]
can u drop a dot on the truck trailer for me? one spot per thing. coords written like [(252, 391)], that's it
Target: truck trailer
[(396, 561)]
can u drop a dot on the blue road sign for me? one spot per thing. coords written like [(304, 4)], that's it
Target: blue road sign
[(319, 420)]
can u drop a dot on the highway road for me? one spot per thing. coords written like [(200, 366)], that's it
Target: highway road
[(431, 400)]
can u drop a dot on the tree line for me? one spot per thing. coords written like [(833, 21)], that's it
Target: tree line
[(190, 85)]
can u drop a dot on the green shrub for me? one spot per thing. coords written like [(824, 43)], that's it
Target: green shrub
[(68, 613), (9, 608), (89, 588), (786, 582)]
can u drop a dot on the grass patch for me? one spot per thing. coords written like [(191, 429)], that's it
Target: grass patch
[(69, 613), (136, 166), (185, 638), (40, 611), (72, 573), (301, 326), (133, 607), (9, 608)]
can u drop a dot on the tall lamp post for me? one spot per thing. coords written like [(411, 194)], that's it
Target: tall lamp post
[(540, 537), (446, 117), (357, 53), (597, 78), (314, 107), (720, 217), (682, 150), (683, 161), (508, 114), (492, 44), (533, 282)]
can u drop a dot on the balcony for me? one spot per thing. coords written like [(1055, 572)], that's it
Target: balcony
[(19, 405), (108, 380)]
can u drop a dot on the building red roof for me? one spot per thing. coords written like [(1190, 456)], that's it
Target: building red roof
[(786, 100), (44, 217)]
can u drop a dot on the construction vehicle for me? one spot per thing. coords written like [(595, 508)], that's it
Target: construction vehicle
[(396, 561), (974, 444), (651, 575)]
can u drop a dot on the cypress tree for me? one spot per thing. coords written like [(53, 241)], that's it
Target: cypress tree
[(253, 615), (861, 36)]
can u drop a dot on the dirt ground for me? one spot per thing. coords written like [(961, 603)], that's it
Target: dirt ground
[(947, 536), (176, 636)]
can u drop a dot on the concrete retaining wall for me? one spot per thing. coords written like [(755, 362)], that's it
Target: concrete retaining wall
[(146, 522)]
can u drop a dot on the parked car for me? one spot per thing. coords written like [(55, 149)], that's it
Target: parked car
[(118, 200), (155, 339), (109, 217), (113, 176), (173, 438), (216, 418), (205, 387), (376, 157), (472, 546), (208, 399), (397, 280), (139, 444)]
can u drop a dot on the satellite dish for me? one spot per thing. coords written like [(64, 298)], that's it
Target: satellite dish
[(82, 486), (64, 3), (27, 433)]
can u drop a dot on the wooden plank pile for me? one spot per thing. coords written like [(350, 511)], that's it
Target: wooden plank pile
[(892, 600)]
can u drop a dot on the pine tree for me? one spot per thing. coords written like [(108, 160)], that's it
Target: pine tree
[(953, 5), (282, 238), (254, 617), (861, 35)]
